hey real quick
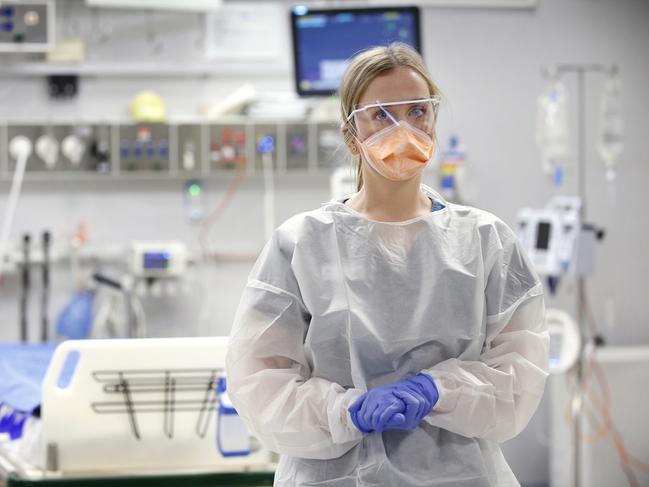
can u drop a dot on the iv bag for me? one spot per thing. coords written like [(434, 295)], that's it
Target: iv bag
[(552, 128), (610, 141)]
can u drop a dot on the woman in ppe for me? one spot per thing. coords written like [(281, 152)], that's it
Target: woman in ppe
[(389, 337)]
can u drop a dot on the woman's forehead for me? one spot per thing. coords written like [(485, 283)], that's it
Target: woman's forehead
[(400, 84)]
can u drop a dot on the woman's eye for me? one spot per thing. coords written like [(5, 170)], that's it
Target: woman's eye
[(417, 112), (380, 115)]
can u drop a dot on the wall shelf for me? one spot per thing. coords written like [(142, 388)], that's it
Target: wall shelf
[(164, 69), (176, 151)]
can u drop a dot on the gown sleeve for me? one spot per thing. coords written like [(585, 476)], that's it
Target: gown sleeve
[(495, 396), (269, 377)]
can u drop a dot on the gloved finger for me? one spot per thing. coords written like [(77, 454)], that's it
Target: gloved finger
[(425, 396), (387, 407), (397, 421), (358, 423), (353, 413), (366, 411), (411, 402), (414, 388), (369, 403), (417, 390), (426, 385), (423, 408), (382, 415)]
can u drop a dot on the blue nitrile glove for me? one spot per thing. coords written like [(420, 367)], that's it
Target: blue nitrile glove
[(380, 399), (422, 386), (401, 405)]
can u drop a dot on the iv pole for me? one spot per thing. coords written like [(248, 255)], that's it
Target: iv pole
[(581, 70)]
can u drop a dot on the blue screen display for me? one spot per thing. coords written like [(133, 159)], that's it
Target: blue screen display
[(325, 41), (156, 260)]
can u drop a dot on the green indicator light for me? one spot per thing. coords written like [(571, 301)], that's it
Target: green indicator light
[(194, 189)]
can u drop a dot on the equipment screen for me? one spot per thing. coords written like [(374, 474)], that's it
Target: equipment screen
[(543, 235), (325, 40), (156, 260)]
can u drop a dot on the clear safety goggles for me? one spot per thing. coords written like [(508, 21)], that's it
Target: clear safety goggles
[(371, 118)]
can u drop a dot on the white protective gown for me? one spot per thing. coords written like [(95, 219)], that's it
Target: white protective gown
[(338, 304)]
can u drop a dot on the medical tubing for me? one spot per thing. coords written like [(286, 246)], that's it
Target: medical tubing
[(230, 192), (108, 281), (45, 296), (608, 430), (131, 317), (24, 288), (12, 202), (203, 237), (616, 437)]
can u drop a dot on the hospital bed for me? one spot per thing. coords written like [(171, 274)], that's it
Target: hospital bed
[(136, 412)]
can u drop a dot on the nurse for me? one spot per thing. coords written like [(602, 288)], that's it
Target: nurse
[(390, 337)]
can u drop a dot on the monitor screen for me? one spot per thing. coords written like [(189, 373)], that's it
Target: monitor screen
[(543, 230), (324, 41), (156, 260)]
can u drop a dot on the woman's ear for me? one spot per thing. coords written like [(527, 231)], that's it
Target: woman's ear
[(351, 143)]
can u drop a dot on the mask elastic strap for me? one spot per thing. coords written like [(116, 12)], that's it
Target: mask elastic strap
[(378, 104)]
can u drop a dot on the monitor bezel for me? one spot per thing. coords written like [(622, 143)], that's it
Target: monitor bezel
[(414, 10)]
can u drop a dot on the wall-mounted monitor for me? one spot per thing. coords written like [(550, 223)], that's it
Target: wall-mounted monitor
[(324, 40)]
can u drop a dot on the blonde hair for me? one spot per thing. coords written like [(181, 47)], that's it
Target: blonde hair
[(366, 66)]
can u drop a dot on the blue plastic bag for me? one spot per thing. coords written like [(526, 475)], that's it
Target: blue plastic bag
[(75, 320)]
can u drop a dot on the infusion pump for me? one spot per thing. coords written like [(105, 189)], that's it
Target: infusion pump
[(555, 238)]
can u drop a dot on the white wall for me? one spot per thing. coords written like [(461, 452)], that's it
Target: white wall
[(487, 62)]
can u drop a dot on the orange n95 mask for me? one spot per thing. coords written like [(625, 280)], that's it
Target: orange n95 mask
[(399, 152), (394, 136)]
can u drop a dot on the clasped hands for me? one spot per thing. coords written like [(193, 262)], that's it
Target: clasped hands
[(401, 405)]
